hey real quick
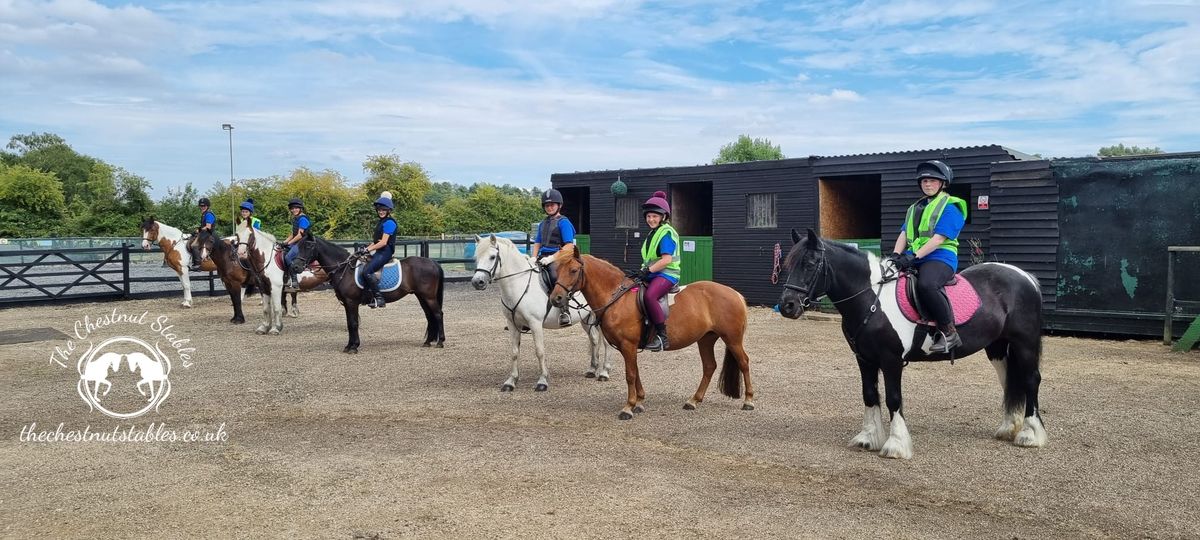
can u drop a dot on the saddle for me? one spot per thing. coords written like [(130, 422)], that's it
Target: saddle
[(389, 276), (648, 330), (964, 300)]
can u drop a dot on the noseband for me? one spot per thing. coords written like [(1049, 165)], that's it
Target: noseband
[(491, 274)]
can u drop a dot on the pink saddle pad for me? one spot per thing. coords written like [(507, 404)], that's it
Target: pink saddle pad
[(963, 300)]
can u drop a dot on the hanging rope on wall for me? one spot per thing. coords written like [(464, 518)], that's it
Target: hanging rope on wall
[(775, 268)]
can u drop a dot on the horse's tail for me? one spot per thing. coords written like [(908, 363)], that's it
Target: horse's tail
[(731, 375)]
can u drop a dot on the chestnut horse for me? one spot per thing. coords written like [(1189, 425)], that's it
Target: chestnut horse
[(703, 313), (173, 243)]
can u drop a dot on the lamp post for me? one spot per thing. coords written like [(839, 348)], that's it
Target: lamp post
[(232, 202)]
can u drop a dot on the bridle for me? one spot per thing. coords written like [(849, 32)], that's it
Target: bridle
[(808, 290), (491, 274)]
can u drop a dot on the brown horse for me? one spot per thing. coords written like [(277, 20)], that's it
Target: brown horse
[(704, 312)]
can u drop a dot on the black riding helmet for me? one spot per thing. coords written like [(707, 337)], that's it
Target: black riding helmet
[(295, 203), (203, 202), (935, 169), (552, 196)]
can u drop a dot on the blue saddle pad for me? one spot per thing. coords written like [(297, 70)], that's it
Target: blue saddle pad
[(389, 276)]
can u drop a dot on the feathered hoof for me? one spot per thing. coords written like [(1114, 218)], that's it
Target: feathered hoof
[(507, 387), (1033, 435), (625, 415), (896, 449), (541, 387), (747, 406)]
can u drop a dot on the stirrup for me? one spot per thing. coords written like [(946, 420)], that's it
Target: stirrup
[(564, 318), (945, 344), (380, 302), (291, 287), (656, 344)]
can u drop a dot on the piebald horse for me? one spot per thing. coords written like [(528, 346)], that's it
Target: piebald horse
[(1007, 325), (237, 274), (173, 243), (258, 248), (523, 302), (703, 313)]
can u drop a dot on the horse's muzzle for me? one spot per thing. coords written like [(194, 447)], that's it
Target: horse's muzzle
[(790, 308), (479, 283), (558, 300)]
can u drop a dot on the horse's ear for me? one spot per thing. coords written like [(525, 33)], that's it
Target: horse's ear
[(493, 238), (478, 239), (795, 237), (814, 241)]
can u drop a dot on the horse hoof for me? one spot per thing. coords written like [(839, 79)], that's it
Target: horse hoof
[(541, 387), (625, 416), (426, 344), (441, 345), (236, 320), (689, 406), (589, 375), (507, 388), (747, 406), (639, 408), (602, 378), (186, 305), (354, 350), (274, 331), (259, 331)]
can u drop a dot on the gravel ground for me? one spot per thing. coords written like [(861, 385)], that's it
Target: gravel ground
[(405, 441)]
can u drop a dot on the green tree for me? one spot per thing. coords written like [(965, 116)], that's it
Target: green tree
[(747, 149), (1120, 149), (487, 209), (50, 153), (31, 202), (440, 192), (178, 207)]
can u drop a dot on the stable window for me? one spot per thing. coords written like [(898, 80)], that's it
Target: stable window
[(627, 213), (760, 211)]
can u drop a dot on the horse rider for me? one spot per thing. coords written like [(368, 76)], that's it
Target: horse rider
[(208, 222), (554, 233), (383, 243), (300, 226), (928, 241), (248, 214), (660, 264)]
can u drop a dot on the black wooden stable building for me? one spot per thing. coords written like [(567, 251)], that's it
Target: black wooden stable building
[(743, 210), (1064, 220)]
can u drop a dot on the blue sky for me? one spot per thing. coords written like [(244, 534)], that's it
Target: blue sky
[(510, 92)]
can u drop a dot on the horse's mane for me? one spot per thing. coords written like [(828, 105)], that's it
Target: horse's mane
[(790, 261)]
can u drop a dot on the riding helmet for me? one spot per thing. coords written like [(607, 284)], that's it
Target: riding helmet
[(203, 202), (295, 203), (385, 200), (248, 204), (657, 203), (552, 196), (935, 169)]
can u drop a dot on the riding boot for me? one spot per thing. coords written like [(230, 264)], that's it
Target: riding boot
[(371, 290), (564, 317), (946, 340), (659, 343), (291, 286)]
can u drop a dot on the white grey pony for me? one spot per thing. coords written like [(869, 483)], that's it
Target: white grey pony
[(524, 302)]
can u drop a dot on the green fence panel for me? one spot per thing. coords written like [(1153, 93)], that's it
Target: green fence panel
[(696, 255)]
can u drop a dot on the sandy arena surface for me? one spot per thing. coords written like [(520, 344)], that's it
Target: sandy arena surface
[(403, 441)]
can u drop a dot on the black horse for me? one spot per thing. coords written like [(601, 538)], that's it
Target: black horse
[(1007, 325), (237, 274), (420, 276)]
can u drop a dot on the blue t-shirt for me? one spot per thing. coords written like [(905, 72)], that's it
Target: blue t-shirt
[(209, 217), (389, 228), (565, 230), (303, 222), (666, 245), (950, 224)]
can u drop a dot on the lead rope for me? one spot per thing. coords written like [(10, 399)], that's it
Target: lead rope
[(775, 268)]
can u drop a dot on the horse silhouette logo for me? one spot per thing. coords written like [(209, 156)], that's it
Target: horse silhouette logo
[(98, 363)]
